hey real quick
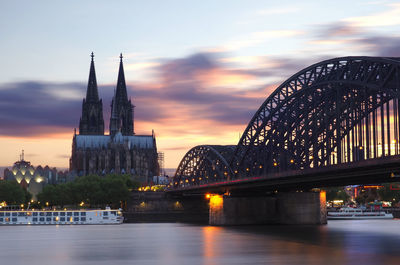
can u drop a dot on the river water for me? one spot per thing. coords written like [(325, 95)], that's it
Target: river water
[(339, 242)]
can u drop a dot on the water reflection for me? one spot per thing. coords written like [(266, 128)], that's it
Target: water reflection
[(210, 241), (340, 242)]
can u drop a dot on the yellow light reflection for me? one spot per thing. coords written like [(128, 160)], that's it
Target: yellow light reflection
[(211, 235)]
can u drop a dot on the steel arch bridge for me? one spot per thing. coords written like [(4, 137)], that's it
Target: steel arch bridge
[(204, 164), (338, 111)]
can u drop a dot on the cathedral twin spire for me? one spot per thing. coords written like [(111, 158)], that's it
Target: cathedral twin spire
[(121, 108), (91, 122), (92, 93), (121, 94)]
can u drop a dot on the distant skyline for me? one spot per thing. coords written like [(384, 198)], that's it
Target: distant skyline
[(196, 71)]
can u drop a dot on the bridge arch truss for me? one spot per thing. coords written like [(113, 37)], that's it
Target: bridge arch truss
[(337, 111), (204, 164)]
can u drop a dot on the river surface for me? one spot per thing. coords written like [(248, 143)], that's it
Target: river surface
[(339, 242)]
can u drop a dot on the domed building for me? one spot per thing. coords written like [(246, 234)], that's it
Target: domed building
[(31, 178)]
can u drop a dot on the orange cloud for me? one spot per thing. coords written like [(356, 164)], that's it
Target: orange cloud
[(223, 78)]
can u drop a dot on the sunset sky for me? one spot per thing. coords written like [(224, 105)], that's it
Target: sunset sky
[(196, 71)]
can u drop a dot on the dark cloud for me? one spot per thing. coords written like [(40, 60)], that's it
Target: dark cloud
[(29, 108), (235, 112), (368, 42), (186, 67), (337, 29), (181, 87), (386, 46), (37, 108)]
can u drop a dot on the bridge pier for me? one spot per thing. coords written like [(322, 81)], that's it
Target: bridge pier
[(284, 208), (150, 207)]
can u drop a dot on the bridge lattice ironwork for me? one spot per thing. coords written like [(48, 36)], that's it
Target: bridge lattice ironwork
[(337, 111), (204, 164)]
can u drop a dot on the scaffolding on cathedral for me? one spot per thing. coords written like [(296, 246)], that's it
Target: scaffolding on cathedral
[(160, 156)]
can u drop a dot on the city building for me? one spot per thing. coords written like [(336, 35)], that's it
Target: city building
[(120, 152), (34, 178)]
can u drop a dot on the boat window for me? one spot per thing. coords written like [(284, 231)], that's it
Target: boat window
[(7, 219), (55, 214), (76, 219), (83, 213), (41, 219), (105, 213), (41, 213), (83, 219), (62, 219), (1, 214), (34, 214), (69, 213), (105, 218), (48, 219), (14, 214), (55, 219), (1, 219), (114, 212), (48, 213), (21, 214), (76, 213), (7, 214), (62, 214), (34, 219), (14, 219)]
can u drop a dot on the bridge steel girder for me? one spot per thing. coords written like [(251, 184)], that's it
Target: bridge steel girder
[(204, 164), (372, 171), (322, 116), (339, 111)]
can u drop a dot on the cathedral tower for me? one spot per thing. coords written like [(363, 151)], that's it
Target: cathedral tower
[(121, 108), (91, 122), (120, 152)]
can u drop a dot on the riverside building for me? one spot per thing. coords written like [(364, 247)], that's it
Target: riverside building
[(34, 178)]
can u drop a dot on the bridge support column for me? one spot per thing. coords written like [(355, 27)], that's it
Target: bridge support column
[(302, 208), (284, 208)]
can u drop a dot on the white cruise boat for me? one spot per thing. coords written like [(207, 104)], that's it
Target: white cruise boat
[(348, 213), (61, 217)]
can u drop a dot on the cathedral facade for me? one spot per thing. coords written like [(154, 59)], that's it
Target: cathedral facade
[(120, 152)]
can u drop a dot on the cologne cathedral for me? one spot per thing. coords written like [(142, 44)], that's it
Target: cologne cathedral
[(120, 152)]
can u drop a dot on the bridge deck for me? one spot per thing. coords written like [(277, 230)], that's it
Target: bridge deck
[(386, 169)]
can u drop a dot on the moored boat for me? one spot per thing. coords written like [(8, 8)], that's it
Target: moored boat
[(61, 217), (348, 213)]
